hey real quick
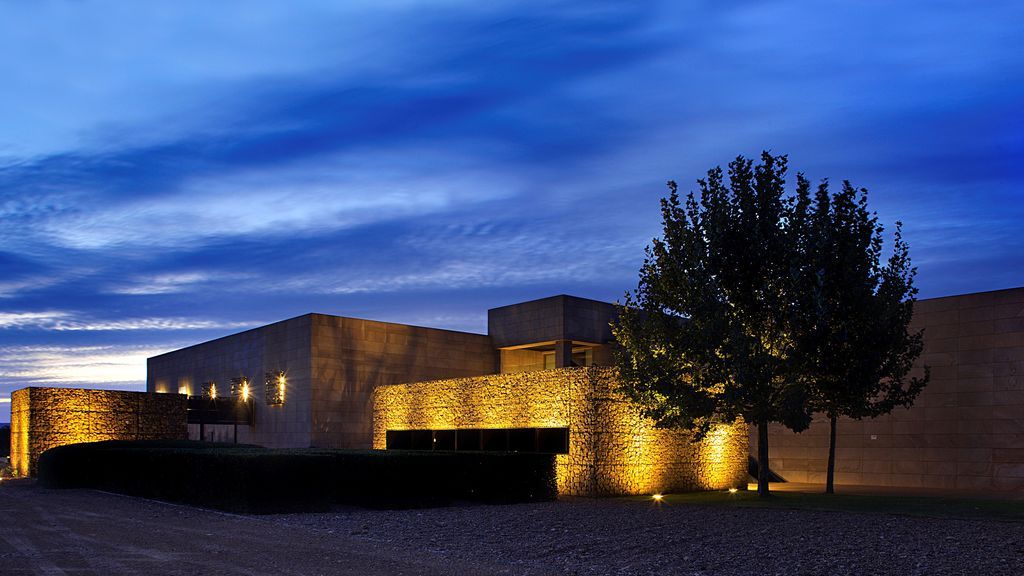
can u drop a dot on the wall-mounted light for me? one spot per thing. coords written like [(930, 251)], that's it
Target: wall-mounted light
[(240, 388), (276, 382), (210, 390)]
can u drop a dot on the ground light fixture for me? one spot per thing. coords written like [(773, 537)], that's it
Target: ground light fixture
[(733, 490), (657, 497)]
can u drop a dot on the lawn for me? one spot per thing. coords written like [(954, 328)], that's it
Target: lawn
[(929, 506)]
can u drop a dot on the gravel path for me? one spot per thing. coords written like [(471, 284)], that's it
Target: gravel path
[(620, 537), (84, 532)]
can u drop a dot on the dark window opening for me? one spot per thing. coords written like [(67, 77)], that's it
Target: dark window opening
[(545, 440)]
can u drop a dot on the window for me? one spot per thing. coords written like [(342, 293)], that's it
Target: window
[(544, 440)]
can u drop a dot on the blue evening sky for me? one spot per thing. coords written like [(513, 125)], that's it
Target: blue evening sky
[(172, 172)]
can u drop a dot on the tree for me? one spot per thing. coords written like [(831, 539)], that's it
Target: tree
[(705, 338), (851, 327)]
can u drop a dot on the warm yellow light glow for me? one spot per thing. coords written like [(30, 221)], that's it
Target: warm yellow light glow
[(213, 390), (605, 429), (281, 385), (245, 391), (733, 490), (657, 497), (182, 389)]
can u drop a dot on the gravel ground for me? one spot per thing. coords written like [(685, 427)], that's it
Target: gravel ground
[(89, 533), (620, 537)]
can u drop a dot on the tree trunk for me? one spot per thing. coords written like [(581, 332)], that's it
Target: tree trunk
[(762, 459), (831, 473)]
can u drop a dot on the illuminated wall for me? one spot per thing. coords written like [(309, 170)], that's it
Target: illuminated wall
[(43, 418), (612, 449)]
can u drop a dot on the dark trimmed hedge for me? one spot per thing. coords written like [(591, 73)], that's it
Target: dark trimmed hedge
[(257, 480)]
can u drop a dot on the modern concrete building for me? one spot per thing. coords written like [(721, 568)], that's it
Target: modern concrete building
[(541, 380), (534, 382), (357, 383)]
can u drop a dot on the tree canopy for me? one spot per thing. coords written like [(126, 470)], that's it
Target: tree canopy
[(765, 306)]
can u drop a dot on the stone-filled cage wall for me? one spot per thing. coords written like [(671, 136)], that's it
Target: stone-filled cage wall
[(44, 418), (613, 450)]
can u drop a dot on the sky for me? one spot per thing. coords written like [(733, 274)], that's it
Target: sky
[(172, 172)]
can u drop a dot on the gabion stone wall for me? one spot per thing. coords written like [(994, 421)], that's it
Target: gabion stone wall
[(43, 418), (612, 449)]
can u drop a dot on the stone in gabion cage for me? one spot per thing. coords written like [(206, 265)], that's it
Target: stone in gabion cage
[(275, 387), (240, 388), (210, 389)]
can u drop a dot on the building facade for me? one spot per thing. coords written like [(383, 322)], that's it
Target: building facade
[(539, 380), (964, 431)]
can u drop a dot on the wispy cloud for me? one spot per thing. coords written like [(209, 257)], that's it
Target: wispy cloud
[(67, 322), (107, 366)]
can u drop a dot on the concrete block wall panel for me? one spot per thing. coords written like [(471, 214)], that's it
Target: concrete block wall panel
[(556, 318), (966, 429), (44, 418), (351, 357), (284, 345), (612, 449)]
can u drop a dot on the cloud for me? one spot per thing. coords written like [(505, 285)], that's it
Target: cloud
[(174, 282), (120, 366), (296, 153), (66, 322)]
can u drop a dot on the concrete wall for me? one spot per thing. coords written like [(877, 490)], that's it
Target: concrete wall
[(612, 449), (332, 366), (966, 429), (351, 357), (284, 345), (555, 318), (44, 418)]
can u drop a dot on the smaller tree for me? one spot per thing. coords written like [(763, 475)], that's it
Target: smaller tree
[(853, 312)]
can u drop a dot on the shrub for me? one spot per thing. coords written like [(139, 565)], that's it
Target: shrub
[(399, 478), (257, 480)]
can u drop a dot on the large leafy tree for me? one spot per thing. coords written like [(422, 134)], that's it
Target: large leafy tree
[(706, 337), (851, 328)]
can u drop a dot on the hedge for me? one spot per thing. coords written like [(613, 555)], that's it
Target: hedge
[(251, 479), (5, 441)]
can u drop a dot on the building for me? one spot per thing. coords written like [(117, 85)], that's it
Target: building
[(539, 380), (361, 384)]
